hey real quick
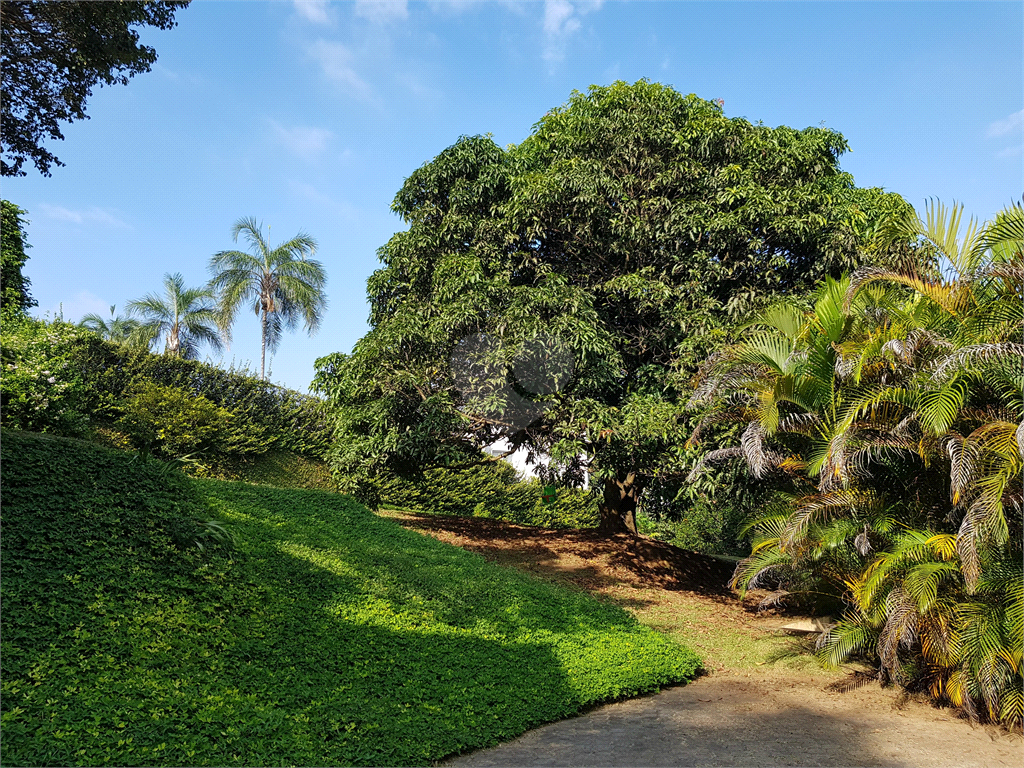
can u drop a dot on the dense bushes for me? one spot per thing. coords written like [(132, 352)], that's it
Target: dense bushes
[(168, 421), (42, 388), (488, 490), (890, 419), (328, 637), (58, 378), (707, 515)]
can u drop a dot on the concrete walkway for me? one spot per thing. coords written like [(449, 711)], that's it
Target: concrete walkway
[(748, 720)]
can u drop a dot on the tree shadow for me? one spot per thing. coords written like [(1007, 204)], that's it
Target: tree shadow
[(647, 561), (732, 723)]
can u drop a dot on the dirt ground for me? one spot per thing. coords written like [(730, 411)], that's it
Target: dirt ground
[(763, 702)]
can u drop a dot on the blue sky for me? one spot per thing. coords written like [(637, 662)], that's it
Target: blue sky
[(310, 115)]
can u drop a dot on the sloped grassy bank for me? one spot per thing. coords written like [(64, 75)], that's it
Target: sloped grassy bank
[(328, 637)]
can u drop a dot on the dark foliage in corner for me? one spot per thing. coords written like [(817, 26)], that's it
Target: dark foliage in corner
[(14, 296), (53, 54)]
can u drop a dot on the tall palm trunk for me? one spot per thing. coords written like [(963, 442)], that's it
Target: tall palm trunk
[(263, 345), (173, 342)]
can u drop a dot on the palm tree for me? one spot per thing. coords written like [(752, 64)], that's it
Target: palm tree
[(121, 330), (281, 284), (894, 410), (185, 317)]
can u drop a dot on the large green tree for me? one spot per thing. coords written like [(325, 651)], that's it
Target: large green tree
[(14, 296), (281, 284), (52, 54), (185, 317), (560, 293)]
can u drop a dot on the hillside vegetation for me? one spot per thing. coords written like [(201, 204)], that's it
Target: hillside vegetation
[(64, 380), (325, 636)]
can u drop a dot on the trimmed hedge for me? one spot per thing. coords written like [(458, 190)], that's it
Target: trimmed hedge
[(61, 379), (284, 469), (488, 490), (329, 636)]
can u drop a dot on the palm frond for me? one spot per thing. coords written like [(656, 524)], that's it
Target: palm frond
[(899, 630), (768, 566), (1005, 236), (962, 467), (802, 423), (851, 635), (760, 458), (785, 318), (978, 353), (809, 509), (713, 457)]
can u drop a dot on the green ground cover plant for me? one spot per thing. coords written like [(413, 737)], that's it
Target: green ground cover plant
[(324, 636)]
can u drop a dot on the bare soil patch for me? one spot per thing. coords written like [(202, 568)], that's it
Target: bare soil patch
[(763, 701)]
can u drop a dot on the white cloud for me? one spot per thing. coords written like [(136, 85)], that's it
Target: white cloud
[(92, 215), (1003, 127), (336, 62), (312, 10), (382, 11), (303, 141), (1011, 151), (311, 194), (453, 6), (168, 73), (561, 22)]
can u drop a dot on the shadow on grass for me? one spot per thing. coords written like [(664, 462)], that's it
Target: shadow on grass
[(330, 637)]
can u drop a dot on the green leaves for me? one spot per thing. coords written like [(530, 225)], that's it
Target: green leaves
[(629, 228), (329, 636), (899, 397), (282, 284)]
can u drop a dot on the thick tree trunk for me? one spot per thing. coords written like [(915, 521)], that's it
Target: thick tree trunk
[(618, 510)]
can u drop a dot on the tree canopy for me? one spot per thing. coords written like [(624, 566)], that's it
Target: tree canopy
[(53, 54), (14, 296), (560, 293)]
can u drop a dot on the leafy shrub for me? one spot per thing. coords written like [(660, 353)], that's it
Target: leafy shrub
[(266, 416), (707, 515), (488, 490), (330, 637), (94, 379), (41, 388), (700, 526), (165, 420)]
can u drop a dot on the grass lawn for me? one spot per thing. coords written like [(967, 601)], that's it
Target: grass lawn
[(328, 636)]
